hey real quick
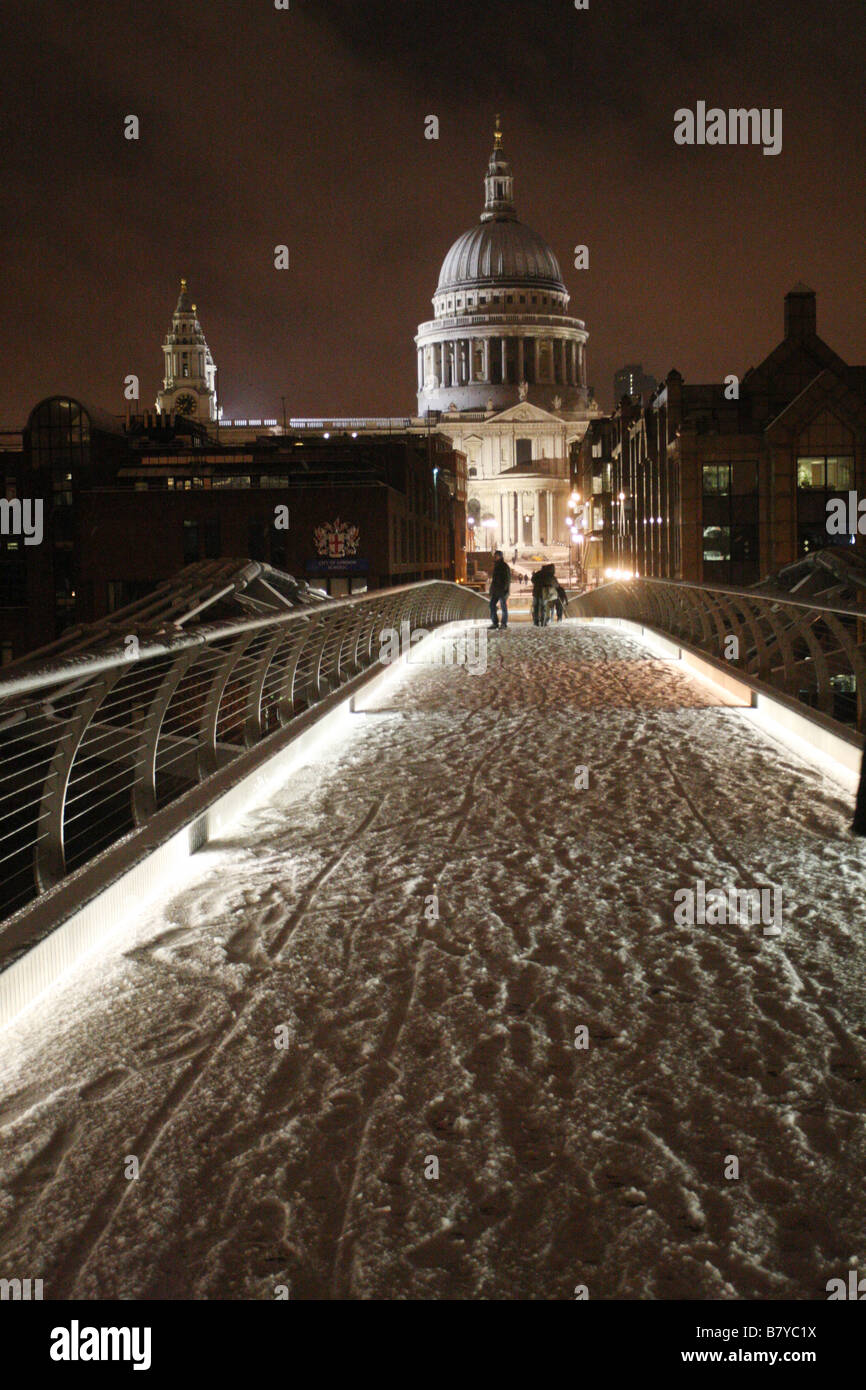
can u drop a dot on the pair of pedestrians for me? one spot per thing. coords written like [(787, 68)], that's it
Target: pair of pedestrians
[(548, 596)]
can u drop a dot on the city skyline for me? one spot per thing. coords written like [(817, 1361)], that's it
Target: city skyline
[(690, 249)]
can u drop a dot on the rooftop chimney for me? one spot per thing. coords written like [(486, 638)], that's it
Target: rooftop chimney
[(800, 314)]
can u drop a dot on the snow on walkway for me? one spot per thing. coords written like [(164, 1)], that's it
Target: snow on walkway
[(411, 1039)]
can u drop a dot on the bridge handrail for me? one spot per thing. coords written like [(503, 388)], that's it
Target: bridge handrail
[(798, 646), (91, 748)]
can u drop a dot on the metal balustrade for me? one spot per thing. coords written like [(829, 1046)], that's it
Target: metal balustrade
[(810, 652), (92, 748)]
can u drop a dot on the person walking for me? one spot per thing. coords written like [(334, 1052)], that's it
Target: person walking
[(543, 595), (500, 588), (561, 601), (537, 599)]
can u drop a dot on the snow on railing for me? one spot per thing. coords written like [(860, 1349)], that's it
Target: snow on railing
[(93, 749), (813, 653)]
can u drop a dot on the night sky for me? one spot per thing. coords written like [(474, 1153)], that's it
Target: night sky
[(307, 127)]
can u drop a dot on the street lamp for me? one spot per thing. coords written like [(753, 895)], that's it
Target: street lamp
[(578, 540)]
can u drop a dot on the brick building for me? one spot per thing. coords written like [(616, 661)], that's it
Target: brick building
[(728, 482), (125, 506)]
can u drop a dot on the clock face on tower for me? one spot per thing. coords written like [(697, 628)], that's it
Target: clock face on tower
[(185, 403)]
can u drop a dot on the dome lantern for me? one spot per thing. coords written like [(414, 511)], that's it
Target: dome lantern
[(498, 184)]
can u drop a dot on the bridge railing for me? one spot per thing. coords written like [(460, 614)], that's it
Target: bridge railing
[(90, 749), (811, 652)]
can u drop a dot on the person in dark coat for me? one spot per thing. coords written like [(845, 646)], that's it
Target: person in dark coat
[(543, 594), (561, 601), (537, 599), (500, 588)]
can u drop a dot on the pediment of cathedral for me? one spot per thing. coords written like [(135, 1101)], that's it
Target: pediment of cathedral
[(524, 412)]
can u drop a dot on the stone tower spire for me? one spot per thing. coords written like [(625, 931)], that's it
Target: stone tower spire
[(189, 383), (498, 184)]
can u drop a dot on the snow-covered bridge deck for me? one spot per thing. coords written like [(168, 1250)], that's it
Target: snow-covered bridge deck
[(405, 1037)]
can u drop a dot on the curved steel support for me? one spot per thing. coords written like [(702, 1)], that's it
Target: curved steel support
[(144, 801), (49, 864)]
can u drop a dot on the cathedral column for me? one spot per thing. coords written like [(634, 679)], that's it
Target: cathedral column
[(520, 363), (503, 343), (549, 516), (536, 517), (486, 359), (563, 372), (537, 347), (581, 362), (420, 369)]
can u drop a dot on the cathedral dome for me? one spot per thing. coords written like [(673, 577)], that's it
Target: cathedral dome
[(501, 249), (501, 330)]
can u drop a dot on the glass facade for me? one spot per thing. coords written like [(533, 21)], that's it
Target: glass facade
[(730, 522), (60, 444), (60, 456), (820, 477)]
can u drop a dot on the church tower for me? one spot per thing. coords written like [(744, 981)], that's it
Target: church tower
[(189, 384)]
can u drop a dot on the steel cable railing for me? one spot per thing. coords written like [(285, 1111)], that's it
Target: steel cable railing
[(811, 652), (91, 749)]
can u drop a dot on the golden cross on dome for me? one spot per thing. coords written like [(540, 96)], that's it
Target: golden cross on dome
[(497, 136), (183, 284)]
